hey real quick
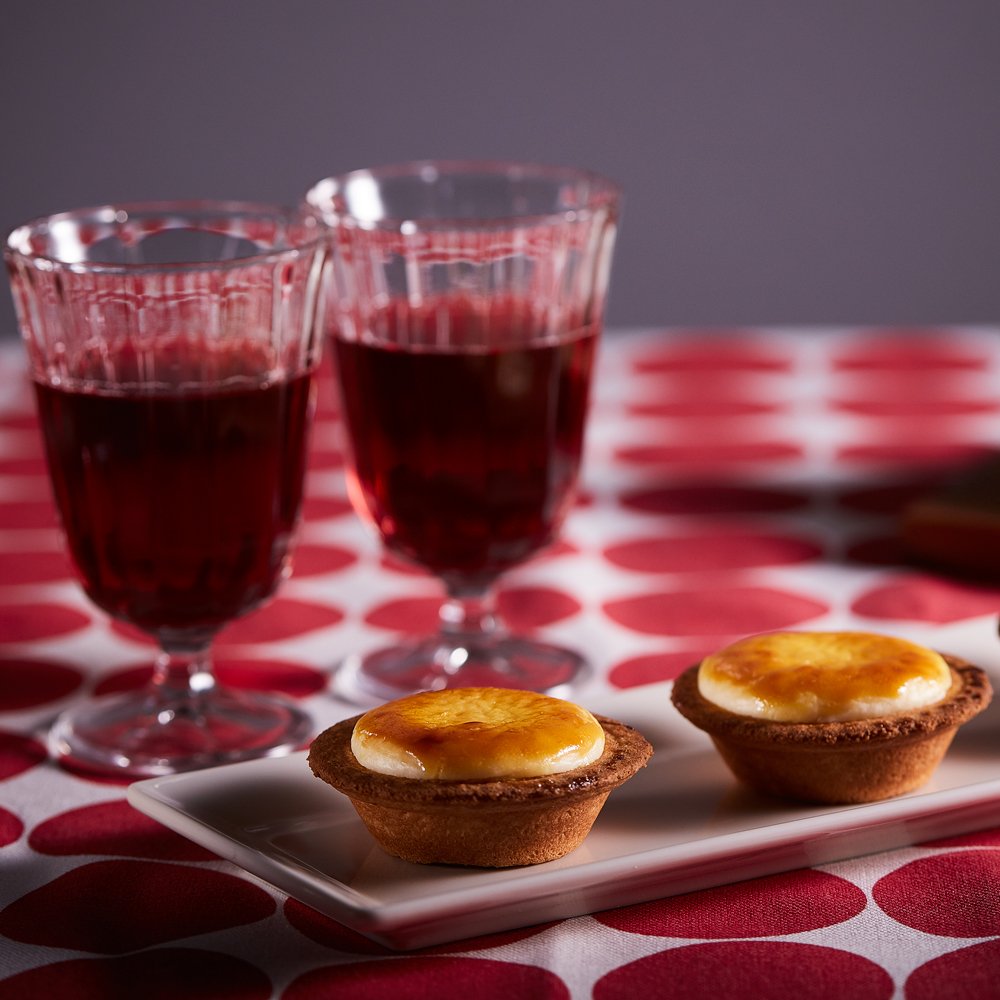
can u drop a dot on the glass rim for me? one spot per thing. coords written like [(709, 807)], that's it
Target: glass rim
[(606, 192), (111, 211)]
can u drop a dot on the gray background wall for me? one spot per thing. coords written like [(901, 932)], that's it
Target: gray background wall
[(785, 161)]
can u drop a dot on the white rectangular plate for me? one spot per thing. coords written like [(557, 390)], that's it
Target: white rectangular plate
[(681, 824)]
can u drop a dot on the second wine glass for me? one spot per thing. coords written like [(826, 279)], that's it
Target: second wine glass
[(467, 300)]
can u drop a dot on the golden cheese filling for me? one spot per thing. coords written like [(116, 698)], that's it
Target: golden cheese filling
[(468, 734), (823, 676)]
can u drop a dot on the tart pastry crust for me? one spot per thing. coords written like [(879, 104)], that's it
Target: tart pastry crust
[(494, 823), (862, 760)]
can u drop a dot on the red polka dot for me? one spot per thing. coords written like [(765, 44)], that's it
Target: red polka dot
[(708, 432), (28, 683), (126, 679), (948, 454), (699, 406), (709, 391), (421, 977), (716, 611), (28, 622), (779, 904), (918, 408), (694, 551), (920, 598), (721, 454), (327, 395), (967, 974), (321, 929), (164, 974), (292, 679), (748, 970), (325, 458), (283, 618), (11, 827), (23, 465), (142, 903), (19, 753), (712, 498), (316, 508), (112, 828), (952, 894), (899, 385), (712, 351), (651, 668), (417, 615), (535, 607), (34, 567), (28, 514), (909, 350), (20, 422), (318, 560), (521, 607)]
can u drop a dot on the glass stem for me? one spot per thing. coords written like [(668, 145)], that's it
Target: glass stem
[(183, 669), (470, 615)]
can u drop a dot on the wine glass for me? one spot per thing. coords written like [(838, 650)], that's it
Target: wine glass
[(172, 348), (466, 301)]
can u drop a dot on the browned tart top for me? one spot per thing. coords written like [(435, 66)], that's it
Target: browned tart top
[(970, 693), (331, 759)]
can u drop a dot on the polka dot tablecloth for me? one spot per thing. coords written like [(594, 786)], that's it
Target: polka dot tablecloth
[(735, 481)]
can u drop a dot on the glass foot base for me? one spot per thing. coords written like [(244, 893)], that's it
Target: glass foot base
[(140, 735), (436, 663)]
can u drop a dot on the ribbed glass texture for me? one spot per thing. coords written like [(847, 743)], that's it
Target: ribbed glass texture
[(92, 287), (536, 236)]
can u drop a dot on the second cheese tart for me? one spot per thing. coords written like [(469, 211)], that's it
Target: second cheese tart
[(833, 717)]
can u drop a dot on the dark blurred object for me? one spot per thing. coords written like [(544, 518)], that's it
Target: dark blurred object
[(956, 527)]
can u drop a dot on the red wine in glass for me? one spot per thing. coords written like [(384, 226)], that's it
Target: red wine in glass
[(178, 500), (466, 456)]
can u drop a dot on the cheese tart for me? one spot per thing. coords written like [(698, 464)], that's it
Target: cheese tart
[(832, 717), (487, 777)]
